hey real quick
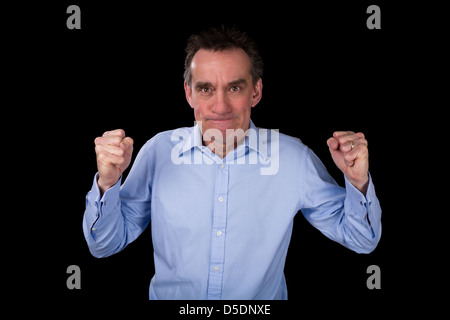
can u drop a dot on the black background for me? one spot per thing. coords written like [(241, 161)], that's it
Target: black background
[(324, 71)]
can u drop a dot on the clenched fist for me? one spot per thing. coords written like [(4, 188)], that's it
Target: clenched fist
[(113, 152), (350, 154)]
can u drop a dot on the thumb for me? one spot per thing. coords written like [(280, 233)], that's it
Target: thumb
[(126, 143)]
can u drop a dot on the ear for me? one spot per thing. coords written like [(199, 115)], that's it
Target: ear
[(257, 92), (188, 92)]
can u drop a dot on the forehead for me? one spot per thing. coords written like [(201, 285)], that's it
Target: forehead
[(229, 63)]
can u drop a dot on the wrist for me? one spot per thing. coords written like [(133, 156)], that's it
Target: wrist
[(104, 186), (362, 185)]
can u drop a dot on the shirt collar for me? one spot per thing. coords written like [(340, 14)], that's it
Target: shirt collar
[(252, 137)]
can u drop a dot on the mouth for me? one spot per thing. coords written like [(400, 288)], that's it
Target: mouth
[(221, 122)]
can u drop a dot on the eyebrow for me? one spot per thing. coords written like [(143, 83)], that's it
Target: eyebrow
[(207, 84), (201, 84), (237, 82)]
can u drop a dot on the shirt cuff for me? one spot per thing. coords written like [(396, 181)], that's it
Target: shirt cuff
[(95, 190), (99, 205), (356, 201)]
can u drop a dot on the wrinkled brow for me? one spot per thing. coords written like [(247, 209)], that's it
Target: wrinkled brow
[(207, 84), (202, 84), (237, 82)]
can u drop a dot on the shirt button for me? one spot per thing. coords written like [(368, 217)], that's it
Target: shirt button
[(222, 165), (216, 268), (219, 233), (93, 229), (220, 199)]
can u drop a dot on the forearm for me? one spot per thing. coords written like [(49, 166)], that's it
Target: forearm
[(346, 215)]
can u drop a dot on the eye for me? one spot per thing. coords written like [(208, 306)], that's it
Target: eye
[(235, 89), (205, 90)]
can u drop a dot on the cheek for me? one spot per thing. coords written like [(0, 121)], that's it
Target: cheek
[(197, 114), (242, 107), (246, 101), (199, 110)]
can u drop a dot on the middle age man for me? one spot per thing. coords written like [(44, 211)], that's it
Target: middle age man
[(220, 228)]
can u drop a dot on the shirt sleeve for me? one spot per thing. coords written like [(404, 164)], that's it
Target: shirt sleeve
[(113, 221), (344, 215)]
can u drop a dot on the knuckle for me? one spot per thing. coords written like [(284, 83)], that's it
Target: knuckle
[(99, 148), (130, 141), (344, 139), (346, 146), (97, 140), (119, 132), (111, 140), (348, 156), (117, 140), (119, 152)]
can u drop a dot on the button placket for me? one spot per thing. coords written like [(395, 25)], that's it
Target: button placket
[(219, 223)]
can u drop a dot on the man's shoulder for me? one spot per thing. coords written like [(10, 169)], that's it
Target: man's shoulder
[(291, 142), (292, 148), (286, 142), (289, 147)]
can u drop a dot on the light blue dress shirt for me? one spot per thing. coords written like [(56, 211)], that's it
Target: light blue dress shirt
[(221, 227)]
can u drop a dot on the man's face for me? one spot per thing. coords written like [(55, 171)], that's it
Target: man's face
[(221, 92)]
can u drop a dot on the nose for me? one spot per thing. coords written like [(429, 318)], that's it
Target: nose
[(221, 104)]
